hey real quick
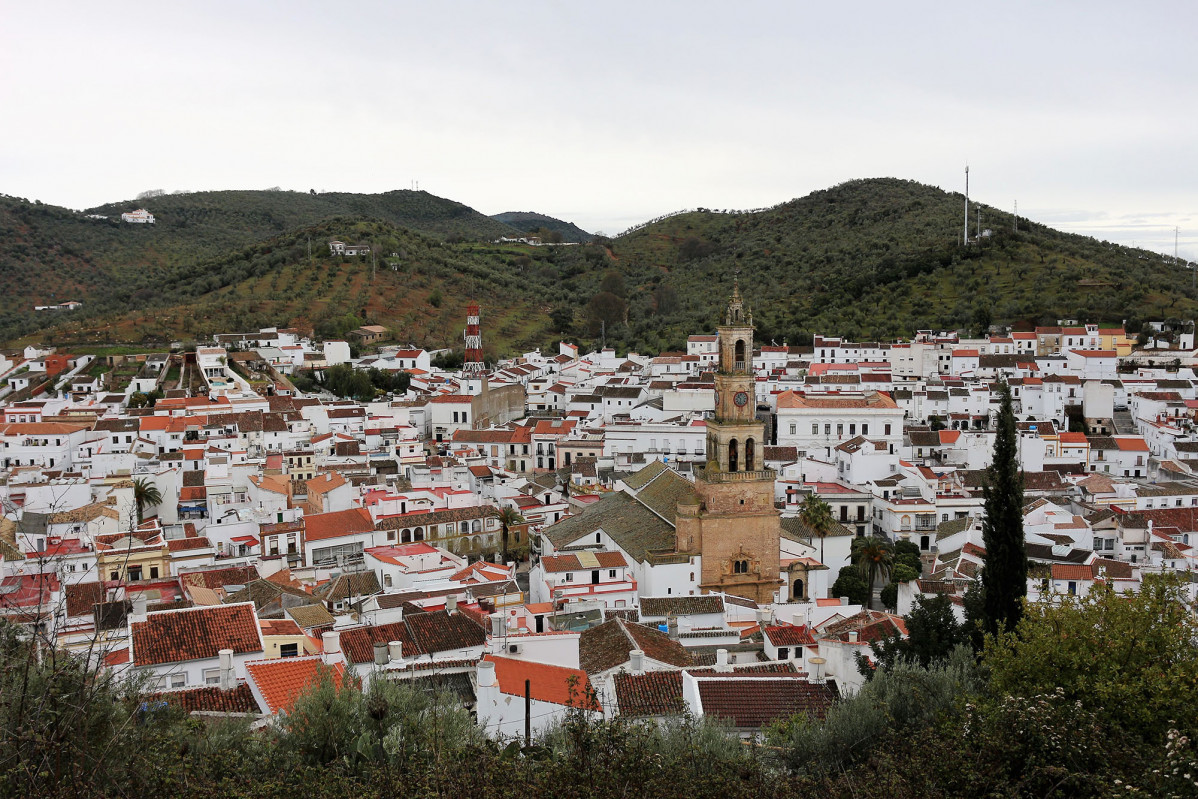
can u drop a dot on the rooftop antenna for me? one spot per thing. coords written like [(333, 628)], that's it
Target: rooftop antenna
[(965, 233)]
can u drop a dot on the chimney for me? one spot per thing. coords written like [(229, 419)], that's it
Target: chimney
[(381, 656), (498, 626), (486, 674), (636, 661), (227, 683), (721, 660), (451, 604), (332, 642), (395, 651), (140, 604), (844, 600), (672, 626), (853, 637)]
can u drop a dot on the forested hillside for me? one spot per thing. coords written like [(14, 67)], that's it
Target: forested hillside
[(529, 222), (869, 259)]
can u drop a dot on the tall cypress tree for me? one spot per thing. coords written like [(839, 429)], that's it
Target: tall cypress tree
[(1004, 577)]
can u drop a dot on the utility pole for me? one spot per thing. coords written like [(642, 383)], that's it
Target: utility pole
[(965, 234), (527, 713), (1017, 216)]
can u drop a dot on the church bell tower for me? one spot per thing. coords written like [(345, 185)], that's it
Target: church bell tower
[(735, 526)]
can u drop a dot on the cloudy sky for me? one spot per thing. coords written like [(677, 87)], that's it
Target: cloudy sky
[(610, 113)]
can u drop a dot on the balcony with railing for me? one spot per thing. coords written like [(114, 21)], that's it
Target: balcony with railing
[(711, 476)]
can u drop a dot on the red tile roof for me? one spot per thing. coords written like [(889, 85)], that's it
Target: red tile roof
[(195, 633), (320, 526), (211, 699), (789, 635), (1071, 571), (752, 703), (558, 685), (282, 681)]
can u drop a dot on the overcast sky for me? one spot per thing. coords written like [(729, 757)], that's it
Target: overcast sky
[(607, 114)]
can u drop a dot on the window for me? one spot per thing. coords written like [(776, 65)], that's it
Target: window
[(289, 650), (827, 430), (569, 577), (611, 574), (211, 676), (887, 430), (740, 567), (864, 429), (840, 431), (783, 653), (153, 572), (1072, 588), (793, 428), (815, 429), (177, 680)]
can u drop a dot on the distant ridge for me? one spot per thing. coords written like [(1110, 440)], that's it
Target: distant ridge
[(531, 222), (871, 260)]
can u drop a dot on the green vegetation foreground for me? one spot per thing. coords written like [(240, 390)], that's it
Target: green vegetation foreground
[(1093, 697)]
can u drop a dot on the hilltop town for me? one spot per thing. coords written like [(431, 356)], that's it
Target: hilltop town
[(636, 529)]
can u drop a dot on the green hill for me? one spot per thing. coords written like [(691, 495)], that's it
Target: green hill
[(868, 259), (876, 259), (530, 222)]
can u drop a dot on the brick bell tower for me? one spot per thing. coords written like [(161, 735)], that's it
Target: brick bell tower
[(735, 527)]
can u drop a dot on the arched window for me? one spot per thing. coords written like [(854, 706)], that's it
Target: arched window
[(740, 567), (739, 358), (733, 455), (796, 592), (418, 534), (750, 450), (405, 537), (464, 527), (476, 526)]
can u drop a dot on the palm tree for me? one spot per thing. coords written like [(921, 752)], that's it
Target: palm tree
[(508, 517), (817, 515), (874, 557), (145, 495)]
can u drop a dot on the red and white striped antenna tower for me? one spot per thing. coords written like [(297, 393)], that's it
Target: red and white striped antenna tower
[(474, 342)]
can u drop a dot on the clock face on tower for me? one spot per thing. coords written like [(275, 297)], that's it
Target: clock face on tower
[(741, 399)]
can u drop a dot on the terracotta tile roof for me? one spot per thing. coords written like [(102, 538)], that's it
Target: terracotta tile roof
[(311, 616), (564, 563), (546, 683), (634, 527), (184, 544), (662, 606), (358, 643), (82, 597), (281, 681), (210, 699), (195, 633), (789, 635), (606, 646), (654, 693), (659, 693), (219, 578), (441, 632), (1071, 571), (321, 526), (354, 585), (752, 703)]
